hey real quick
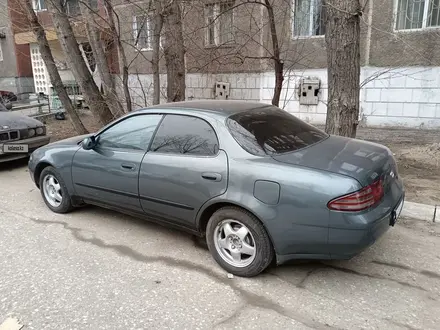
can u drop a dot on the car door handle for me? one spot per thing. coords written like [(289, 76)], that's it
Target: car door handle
[(212, 176), (128, 166)]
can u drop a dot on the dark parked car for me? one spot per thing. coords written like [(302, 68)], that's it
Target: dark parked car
[(256, 181), (20, 135)]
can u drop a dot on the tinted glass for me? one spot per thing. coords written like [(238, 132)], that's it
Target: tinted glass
[(185, 135), (132, 133), (272, 131)]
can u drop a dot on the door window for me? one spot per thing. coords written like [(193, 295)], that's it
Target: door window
[(185, 135), (133, 133)]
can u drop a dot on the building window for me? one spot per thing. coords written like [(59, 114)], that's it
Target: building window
[(417, 14), (142, 30), (308, 18), (39, 5), (71, 7), (220, 23)]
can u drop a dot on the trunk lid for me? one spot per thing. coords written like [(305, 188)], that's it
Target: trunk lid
[(361, 160)]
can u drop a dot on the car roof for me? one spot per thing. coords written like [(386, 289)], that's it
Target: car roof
[(219, 107)]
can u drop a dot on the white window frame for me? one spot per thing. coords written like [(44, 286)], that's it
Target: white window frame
[(424, 20), (36, 4), (1, 52), (310, 35), (217, 24), (149, 32)]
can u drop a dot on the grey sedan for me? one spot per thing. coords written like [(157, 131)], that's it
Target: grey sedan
[(20, 135), (261, 185)]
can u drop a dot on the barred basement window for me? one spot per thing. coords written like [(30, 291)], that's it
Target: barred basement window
[(417, 14)]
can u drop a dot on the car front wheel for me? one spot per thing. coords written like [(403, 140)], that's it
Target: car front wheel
[(239, 242), (54, 191)]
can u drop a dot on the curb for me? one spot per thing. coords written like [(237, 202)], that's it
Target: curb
[(423, 212)]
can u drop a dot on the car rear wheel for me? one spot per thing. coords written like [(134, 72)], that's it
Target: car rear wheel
[(239, 242), (54, 191)]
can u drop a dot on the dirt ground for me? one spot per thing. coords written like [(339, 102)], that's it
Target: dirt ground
[(417, 153)]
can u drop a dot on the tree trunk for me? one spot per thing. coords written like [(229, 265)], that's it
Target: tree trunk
[(174, 52), (76, 62), (123, 63), (93, 34), (278, 63), (342, 39), (54, 75), (158, 23)]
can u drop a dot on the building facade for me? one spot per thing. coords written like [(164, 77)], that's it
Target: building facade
[(229, 54), (15, 68)]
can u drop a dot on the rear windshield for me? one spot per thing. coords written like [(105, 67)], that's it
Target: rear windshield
[(272, 131)]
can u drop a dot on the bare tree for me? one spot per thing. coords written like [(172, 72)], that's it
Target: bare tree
[(174, 51), (123, 63), (49, 61), (343, 60), (96, 44), (157, 30), (76, 62)]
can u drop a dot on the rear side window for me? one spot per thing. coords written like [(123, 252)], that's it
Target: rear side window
[(185, 135), (271, 131)]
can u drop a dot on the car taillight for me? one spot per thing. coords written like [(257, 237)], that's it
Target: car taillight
[(359, 200)]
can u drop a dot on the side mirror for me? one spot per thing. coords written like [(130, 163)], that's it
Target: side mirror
[(88, 143)]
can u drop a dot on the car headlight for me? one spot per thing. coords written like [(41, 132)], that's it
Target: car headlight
[(40, 130), (31, 132)]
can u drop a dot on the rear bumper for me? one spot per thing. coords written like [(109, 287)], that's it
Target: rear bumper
[(32, 143), (345, 243), (350, 239)]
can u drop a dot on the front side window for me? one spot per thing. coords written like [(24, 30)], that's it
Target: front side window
[(417, 14), (133, 133), (272, 131), (308, 18), (185, 135)]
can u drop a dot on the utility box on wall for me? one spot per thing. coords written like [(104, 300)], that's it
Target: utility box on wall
[(222, 90), (309, 91)]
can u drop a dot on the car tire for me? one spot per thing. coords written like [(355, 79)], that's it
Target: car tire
[(244, 233), (58, 187)]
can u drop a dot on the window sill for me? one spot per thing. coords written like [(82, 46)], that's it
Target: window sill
[(231, 45), (308, 37), (424, 29)]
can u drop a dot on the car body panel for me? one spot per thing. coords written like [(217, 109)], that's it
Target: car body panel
[(176, 186), (362, 160), (101, 175), (171, 191)]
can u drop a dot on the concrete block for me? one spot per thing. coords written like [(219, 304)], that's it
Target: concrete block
[(419, 211), (321, 108), (395, 95), (397, 80), (411, 110), (373, 95), (208, 93), (426, 95), (413, 81), (241, 82), (395, 109), (251, 82), (255, 94), (437, 111), (378, 109), (427, 110), (267, 93)]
